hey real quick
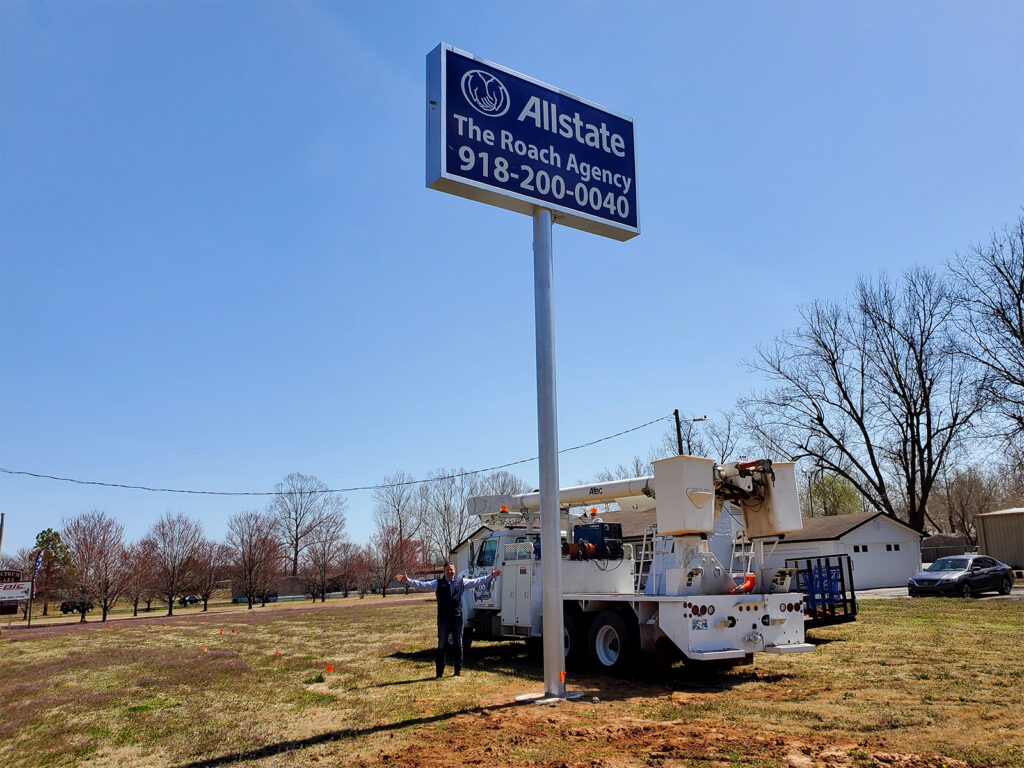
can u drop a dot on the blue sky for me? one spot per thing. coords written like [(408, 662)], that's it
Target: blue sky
[(219, 263)]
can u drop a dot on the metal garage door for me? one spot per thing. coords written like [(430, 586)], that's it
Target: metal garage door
[(879, 564)]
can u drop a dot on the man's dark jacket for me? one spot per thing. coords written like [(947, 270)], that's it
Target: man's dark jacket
[(449, 598)]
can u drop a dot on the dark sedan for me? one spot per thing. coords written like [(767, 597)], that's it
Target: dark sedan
[(962, 575)]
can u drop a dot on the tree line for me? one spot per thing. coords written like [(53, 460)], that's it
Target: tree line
[(299, 544)]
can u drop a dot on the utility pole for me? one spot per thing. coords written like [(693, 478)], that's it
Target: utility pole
[(679, 428)]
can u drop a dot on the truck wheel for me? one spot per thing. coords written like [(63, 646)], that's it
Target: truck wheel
[(575, 655), (467, 640), (612, 645)]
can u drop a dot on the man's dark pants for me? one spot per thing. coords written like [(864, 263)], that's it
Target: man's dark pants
[(446, 624)]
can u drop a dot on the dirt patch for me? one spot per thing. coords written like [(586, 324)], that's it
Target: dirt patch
[(591, 733)]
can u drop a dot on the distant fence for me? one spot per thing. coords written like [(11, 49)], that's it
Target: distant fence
[(931, 554)]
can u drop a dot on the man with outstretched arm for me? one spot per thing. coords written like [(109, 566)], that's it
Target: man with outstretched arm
[(449, 591)]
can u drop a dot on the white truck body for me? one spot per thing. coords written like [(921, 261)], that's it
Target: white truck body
[(671, 596)]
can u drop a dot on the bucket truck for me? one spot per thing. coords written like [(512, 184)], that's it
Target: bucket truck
[(669, 596)]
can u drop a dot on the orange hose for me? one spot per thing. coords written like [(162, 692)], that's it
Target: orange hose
[(746, 586)]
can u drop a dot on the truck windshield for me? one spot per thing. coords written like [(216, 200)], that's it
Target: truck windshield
[(949, 564), (487, 553)]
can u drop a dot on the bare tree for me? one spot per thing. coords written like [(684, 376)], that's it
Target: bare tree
[(141, 582), (502, 483), (256, 554), (989, 284), (963, 494), (386, 555), (444, 509), (174, 541), (302, 505), (635, 468), (396, 510), (99, 559), (871, 390), (208, 569), (723, 435), (321, 562), (9, 561), (353, 565)]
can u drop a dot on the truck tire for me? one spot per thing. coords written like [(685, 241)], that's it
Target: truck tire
[(613, 644), (575, 653)]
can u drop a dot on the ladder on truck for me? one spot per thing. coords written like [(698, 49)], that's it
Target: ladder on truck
[(743, 551), (646, 561)]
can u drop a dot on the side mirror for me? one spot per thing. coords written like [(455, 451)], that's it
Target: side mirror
[(472, 554)]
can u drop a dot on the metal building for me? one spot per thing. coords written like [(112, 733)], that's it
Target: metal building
[(1001, 535)]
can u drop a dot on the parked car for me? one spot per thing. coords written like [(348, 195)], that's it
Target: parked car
[(75, 606), (962, 575), (185, 602)]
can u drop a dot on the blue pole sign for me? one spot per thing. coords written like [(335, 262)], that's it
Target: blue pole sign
[(504, 139)]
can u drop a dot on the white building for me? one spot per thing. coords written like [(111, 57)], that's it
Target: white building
[(885, 552), (1001, 535)]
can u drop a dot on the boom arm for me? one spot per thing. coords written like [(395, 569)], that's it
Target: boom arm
[(767, 501)]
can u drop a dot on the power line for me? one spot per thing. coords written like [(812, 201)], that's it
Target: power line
[(325, 490)]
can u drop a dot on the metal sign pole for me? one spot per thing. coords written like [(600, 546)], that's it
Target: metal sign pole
[(547, 434), (31, 595)]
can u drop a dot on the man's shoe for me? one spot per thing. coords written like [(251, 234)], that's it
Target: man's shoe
[(458, 672), (438, 676)]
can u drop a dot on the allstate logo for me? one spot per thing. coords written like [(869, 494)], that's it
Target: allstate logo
[(486, 93)]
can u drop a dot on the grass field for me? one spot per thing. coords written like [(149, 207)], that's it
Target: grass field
[(910, 684)]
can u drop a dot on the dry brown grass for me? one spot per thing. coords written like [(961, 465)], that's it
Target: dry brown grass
[(912, 683)]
